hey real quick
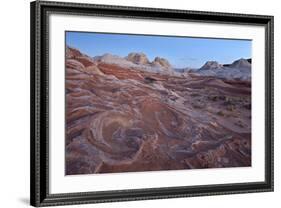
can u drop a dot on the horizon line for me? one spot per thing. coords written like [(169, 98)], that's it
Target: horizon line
[(66, 45)]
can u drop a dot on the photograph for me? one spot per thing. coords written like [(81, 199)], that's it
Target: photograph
[(139, 102), (133, 103)]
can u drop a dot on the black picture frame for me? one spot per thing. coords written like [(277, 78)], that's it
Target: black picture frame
[(39, 187)]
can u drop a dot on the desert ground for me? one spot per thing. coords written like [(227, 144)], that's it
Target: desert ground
[(130, 114)]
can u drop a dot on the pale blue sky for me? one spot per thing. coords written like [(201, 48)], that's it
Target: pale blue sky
[(180, 51)]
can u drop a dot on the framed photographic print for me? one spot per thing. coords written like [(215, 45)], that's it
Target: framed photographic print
[(131, 103)]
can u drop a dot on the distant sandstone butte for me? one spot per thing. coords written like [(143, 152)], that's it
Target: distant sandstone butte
[(211, 65), (241, 63), (141, 59), (138, 58), (162, 63), (114, 59), (238, 70)]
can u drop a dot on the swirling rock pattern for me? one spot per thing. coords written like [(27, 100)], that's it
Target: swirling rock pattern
[(121, 119)]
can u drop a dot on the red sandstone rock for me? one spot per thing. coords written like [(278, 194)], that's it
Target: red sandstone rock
[(121, 119)]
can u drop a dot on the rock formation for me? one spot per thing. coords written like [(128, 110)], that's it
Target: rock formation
[(161, 62), (209, 65), (137, 61), (241, 63), (138, 58), (238, 70), (122, 119), (72, 52)]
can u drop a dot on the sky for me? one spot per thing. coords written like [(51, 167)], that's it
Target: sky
[(181, 52)]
